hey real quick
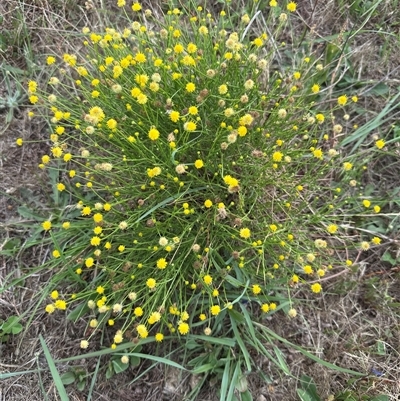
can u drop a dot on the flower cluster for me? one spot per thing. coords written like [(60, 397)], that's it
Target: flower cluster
[(197, 172)]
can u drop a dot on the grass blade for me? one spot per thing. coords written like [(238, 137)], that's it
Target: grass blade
[(362, 132), (4, 376), (241, 344), (308, 354), (54, 372)]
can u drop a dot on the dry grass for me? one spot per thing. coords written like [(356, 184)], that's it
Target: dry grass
[(344, 327)]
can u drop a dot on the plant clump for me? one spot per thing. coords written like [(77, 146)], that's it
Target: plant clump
[(199, 175)]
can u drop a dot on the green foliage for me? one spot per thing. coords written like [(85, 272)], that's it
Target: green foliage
[(193, 186), (308, 390), (9, 326), (14, 97)]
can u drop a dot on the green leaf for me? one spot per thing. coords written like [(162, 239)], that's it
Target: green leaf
[(134, 361), (229, 342), (381, 397), (241, 344), (208, 367), (233, 281), (4, 376), (232, 387), (119, 366), (281, 360), (78, 312), (158, 359), (80, 385), (27, 213), (191, 344), (12, 325), (68, 378), (246, 396), (109, 371), (380, 348), (237, 316), (308, 385), (54, 372), (11, 247), (379, 89), (304, 396), (225, 380), (241, 384), (387, 257)]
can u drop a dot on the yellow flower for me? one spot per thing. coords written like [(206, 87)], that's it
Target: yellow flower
[(258, 42), (308, 269), (154, 134), (112, 124), (256, 289), (242, 130), (174, 116), (178, 48), (265, 308), (318, 153), (291, 6), (162, 263), (215, 310), (159, 337), (277, 156), (50, 60), (89, 262), (97, 217), (199, 163), (342, 100), (203, 30), (315, 88), (50, 308), (380, 143), (183, 328), (118, 338), (136, 7), (347, 166), (151, 283), (376, 240), (138, 311), (33, 99), (190, 87), (316, 287), (193, 110), (245, 233), (95, 241), (377, 209), (208, 203), (46, 225), (207, 279), (60, 304), (60, 186), (332, 228), (56, 253), (222, 89), (366, 203), (247, 119), (191, 48)]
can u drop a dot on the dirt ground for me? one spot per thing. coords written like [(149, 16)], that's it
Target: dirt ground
[(355, 324)]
